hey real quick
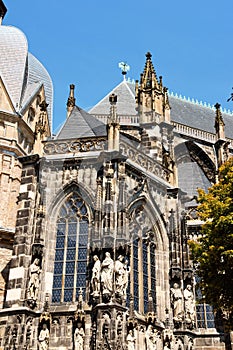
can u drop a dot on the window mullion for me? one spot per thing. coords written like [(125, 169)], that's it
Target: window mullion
[(64, 262), (76, 261)]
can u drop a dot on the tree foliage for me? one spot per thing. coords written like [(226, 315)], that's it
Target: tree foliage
[(214, 250)]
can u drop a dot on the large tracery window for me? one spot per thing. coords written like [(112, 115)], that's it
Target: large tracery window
[(71, 250)]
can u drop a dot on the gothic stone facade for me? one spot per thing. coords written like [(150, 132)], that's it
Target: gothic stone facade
[(95, 225)]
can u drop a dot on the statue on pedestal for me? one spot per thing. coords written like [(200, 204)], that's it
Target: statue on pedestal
[(177, 302), (107, 274), (44, 338), (130, 340), (79, 338), (34, 281), (95, 278), (189, 304)]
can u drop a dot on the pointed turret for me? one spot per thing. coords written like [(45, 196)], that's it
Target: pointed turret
[(219, 123), (3, 11), (151, 96), (221, 145), (71, 100), (113, 125)]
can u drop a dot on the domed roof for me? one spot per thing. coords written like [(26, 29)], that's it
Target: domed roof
[(13, 57), (20, 71)]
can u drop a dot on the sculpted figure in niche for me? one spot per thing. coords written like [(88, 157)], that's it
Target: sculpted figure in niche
[(130, 340), (119, 274), (107, 274), (44, 338), (150, 337), (166, 346), (34, 281), (177, 302), (79, 338), (189, 303), (126, 277), (95, 278)]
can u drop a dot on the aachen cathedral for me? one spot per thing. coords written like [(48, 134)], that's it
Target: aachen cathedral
[(95, 221)]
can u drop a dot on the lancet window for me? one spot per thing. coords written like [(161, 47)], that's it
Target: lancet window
[(71, 250), (143, 262)]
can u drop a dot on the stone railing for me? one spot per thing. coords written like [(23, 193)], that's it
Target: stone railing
[(146, 162), (123, 119), (197, 133), (74, 146), (193, 132)]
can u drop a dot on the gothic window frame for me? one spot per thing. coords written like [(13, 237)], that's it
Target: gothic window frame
[(143, 247), (71, 254)]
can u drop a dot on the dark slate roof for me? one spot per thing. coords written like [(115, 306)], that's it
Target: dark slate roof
[(125, 100), (191, 177), (198, 116), (183, 111), (81, 124)]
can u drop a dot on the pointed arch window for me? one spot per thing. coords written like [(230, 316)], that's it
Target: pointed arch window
[(71, 250)]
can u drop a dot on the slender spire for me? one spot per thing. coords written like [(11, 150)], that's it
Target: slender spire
[(71, 100), (3, 11), (219, 123)]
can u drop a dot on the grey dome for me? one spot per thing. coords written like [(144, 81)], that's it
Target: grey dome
[(20, 71)]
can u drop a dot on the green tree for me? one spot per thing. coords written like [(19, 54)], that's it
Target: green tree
[(214, 250)]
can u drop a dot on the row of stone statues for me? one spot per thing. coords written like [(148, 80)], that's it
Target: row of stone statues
[(183, 303), (43, 339), (109, 275), (151, 339)]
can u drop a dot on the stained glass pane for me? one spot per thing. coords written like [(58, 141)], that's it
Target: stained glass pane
[(69, 281), (71, 241), (145, 276), (70, 254), (57, 281), (82, 267), (60, 242), (58, 268), (70, 267), (68, 295), (81, 281), (59, 254), (82, 253), (69, 224), (56, 295)]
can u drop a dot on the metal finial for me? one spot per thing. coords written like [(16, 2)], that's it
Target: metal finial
[(124, 68)]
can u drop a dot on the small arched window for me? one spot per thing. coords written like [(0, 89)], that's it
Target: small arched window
[(71, 250)]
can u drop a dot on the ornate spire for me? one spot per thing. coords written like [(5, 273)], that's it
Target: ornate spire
[(219, 123), (3, 11), (71, 100), (151, 96)]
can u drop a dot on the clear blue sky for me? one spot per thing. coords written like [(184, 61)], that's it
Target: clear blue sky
[(82, 42)]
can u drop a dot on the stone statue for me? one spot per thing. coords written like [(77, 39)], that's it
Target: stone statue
[(177, 302), (95, 278), (107, 274), (150, 337), (44, 338), (79, 338), (126, 277), (189, 304), (34, 281), (130, 340), (119, 275), (166, 346)]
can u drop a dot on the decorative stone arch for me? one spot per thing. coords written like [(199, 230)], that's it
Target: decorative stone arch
[(50, 232), (149, 227), (191, 151)]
